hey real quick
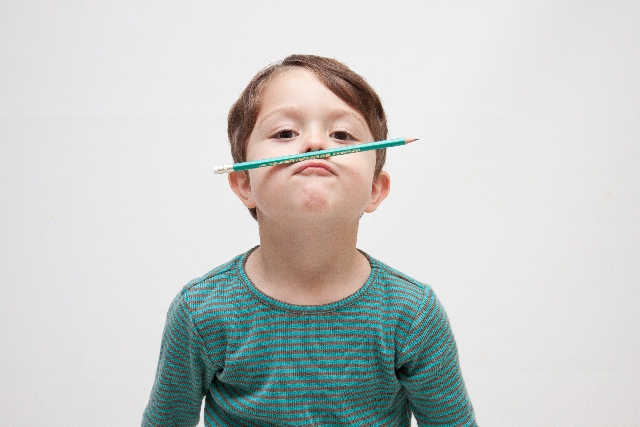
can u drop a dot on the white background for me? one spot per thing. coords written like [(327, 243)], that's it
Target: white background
[(520, 204)]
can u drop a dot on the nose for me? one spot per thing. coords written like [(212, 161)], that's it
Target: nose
[(314, 142)]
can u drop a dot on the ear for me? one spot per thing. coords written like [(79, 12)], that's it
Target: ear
[(379, 191), (240, 184)]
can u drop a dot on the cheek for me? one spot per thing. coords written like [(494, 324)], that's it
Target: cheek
[(251, 154), (360, 179), (264, 187), (362, 167)]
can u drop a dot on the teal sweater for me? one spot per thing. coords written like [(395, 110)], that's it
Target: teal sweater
[(370, 359)]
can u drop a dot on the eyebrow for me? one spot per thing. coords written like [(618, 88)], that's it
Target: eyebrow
[(297, 112), (337, 114)]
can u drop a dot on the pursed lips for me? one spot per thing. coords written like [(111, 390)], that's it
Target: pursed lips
[(315, 166)]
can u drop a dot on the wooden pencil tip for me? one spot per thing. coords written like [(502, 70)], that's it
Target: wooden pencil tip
[(410, 140)]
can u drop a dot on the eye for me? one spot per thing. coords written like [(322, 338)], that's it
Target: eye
[(284, 134), (342, 136)]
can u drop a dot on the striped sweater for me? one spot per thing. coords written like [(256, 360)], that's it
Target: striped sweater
[(370, 359)]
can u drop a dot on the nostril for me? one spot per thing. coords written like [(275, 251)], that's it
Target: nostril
[(314, 143)]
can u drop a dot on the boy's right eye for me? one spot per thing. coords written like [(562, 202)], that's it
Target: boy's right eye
[(284, 134)]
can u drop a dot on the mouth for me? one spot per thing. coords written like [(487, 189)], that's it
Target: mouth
[(320, 167)]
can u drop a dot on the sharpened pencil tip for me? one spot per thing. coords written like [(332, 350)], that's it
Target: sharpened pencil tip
[(410, 140)]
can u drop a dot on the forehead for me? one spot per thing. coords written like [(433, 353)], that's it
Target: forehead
[(297, 85)]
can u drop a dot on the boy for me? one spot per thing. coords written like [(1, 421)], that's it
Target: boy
[(305, 329)]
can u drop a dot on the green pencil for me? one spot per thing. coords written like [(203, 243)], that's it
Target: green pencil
[(320, 154)]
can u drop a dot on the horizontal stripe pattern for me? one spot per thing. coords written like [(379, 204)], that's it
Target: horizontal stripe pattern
[(371, 359)]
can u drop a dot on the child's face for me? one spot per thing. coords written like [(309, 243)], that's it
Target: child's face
[(299, 114)]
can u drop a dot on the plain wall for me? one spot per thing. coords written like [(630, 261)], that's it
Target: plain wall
[(520, 204)]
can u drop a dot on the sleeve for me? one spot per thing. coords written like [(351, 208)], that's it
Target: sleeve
[(429, 370), (184, 373)]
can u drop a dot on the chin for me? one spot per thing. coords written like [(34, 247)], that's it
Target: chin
[(315, 200)]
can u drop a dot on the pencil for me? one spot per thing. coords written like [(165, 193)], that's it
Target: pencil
[(320, 154)]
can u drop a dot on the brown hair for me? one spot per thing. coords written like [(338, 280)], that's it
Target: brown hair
[(337, 77)]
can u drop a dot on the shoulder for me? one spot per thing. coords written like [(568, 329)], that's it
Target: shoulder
[(215, 281), (401, 288), (208, 306), (414, 302), (215, 293)]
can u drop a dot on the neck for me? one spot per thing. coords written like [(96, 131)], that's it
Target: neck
[(308, 262)]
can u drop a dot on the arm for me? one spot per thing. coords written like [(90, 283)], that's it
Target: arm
[(429, 370), (184, 373)]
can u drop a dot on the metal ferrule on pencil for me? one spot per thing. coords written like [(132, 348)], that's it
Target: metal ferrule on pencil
[(223, 169)]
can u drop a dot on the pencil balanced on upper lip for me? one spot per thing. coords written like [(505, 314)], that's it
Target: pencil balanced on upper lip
[(298, 114), (311, 155)]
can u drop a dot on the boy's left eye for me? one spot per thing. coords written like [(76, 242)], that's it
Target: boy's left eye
[(342, 136)]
